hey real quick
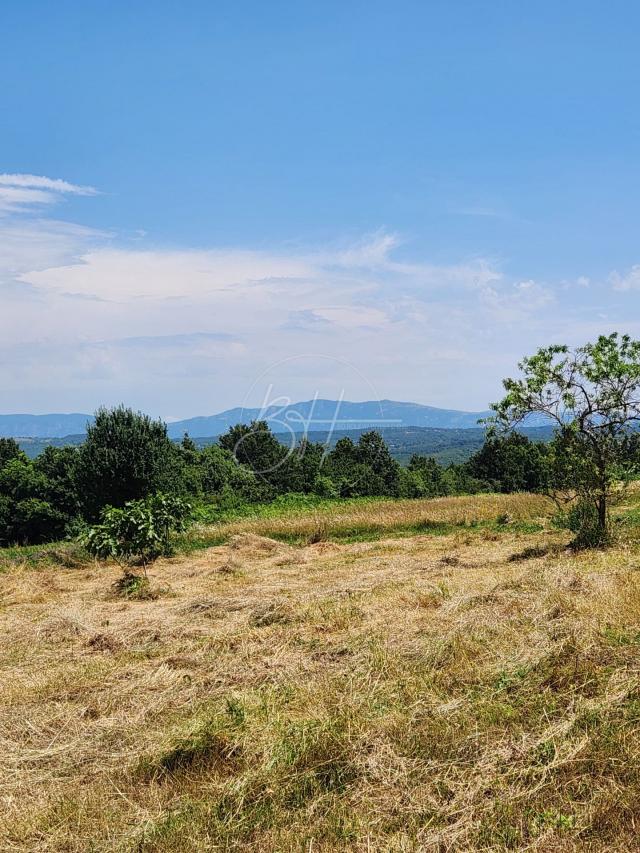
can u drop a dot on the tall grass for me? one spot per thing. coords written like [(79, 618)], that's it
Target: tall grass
[(370, 518)]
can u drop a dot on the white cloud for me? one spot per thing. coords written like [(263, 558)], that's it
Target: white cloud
[(370, 252), (125, 274), (627, 281), (19, 193), (86, 320)]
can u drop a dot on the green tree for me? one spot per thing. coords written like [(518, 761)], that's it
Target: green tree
[(430, 473), (59, 467), (187, 467), (372, 450), (592, 394), (28, 514), (223, 477), (9, 449), (126, 456), (364, 469), (34, 521), (309, 462), (256, 447), (511, 463)]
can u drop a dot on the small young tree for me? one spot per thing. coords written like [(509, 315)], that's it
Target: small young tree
[(139, 532), (592, 394)]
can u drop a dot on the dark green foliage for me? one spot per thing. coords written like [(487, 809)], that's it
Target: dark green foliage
[(30, 509), (223, 475), (256, 447), (125, 457), (511, 463), (186, 467), (459, 481), (324, 487), (278, 467), (59, 468), (373, 451), (6, 519), (428, 477), (310, 461), (363, 469), (9, 449), (36, 521)]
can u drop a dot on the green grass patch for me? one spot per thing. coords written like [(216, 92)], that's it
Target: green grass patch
[(197, 540), (281, 507), (68, 555)]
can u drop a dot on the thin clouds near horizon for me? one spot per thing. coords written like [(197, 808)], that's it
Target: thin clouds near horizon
[(206, 321)]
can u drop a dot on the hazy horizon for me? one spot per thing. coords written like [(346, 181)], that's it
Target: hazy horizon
[(247, 406)]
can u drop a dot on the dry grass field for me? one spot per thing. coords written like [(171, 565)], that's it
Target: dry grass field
[(369, 519), (467, 688)]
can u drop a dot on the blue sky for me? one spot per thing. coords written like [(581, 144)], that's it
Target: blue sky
[(386, 199)]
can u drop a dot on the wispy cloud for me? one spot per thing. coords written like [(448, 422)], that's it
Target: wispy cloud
[(19, 193), (626, 281), (371, 251), (87, 318)]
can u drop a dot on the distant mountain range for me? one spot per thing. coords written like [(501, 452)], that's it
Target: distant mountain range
[(322, 415), (446, 445), (314, 415), (42, 426)]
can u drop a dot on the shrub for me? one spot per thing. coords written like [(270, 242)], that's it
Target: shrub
[(324, 487), (582, 519), (131, 585), (36, 521), (139, 532)]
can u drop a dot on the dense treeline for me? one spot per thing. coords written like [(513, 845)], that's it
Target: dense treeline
[(127, 456)]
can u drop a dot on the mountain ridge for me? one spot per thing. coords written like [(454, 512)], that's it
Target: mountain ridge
[(317, 414)]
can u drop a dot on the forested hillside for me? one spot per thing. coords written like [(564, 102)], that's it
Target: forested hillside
[(445, 445), (129, 457)]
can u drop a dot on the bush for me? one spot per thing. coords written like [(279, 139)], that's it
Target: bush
[(35, 522), (582, 519), (324, 487), (221, 474), (139, 532)]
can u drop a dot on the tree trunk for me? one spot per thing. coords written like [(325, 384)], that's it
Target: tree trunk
[(603, 526), (602, 514)]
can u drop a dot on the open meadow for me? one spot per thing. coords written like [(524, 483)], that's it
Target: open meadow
[(471, 687)]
